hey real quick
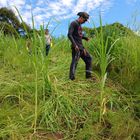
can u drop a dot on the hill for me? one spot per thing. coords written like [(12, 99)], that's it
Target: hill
[(115, 29), (38, 101)]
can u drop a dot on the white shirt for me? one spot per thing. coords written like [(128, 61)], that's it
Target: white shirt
[(48, 39)]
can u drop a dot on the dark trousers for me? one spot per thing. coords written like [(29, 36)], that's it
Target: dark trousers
[(75, 58), (47, 49)]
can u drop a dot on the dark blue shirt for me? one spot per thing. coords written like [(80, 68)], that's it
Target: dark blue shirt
[(75, 34)]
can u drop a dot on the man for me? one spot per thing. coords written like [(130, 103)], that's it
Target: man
[(75, 36), (48, 39)]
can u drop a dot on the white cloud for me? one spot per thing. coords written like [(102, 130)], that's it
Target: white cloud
[(39, 3), (28, 7), (37, 11), (67, 3), (3, 3), (18, 3), (43, 10)]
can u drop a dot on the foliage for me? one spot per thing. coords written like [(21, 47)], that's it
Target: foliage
[(113, 30), (9, 23), (45, 103), (7, 29), (38, 101), (8, 16)]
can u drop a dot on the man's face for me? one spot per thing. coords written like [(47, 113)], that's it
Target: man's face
[(83, 20)]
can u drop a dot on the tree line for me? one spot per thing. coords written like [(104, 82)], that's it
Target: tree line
[(10, 24)]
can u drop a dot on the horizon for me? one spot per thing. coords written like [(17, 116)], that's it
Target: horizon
[(58, 14)]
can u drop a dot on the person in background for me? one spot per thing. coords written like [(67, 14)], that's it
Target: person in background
[(78, 51), (48, 40)]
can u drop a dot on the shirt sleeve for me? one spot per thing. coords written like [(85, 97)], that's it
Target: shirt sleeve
[(70, 33)]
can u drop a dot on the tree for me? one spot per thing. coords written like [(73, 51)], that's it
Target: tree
[(8, 16), (10, 23), (7, 29)]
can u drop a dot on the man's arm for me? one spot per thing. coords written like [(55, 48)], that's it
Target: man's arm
[(70, 33)]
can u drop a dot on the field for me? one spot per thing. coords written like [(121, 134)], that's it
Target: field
[(39, 102)]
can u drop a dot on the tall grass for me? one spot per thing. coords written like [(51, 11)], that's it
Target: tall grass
[(104, 58), (38, 101)]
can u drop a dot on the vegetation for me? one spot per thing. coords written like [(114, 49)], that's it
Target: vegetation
[(112, 30), (10, 24), (39, 102)]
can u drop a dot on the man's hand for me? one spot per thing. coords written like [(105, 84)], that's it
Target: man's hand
[(85, 52), (76, 48), (88, 39)]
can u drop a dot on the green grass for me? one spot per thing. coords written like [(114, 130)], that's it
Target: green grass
[(38, 101)]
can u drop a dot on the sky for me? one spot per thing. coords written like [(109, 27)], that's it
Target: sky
[(56, 15)]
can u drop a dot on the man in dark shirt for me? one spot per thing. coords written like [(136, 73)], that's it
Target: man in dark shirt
[(75, 36)]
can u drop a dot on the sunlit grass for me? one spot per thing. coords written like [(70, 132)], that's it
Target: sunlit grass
[(38, 99)]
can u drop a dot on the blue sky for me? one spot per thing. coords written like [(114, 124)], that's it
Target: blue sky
[(61, 12)]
